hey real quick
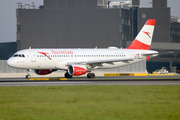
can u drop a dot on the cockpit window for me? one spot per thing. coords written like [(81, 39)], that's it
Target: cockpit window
[(18, 55)]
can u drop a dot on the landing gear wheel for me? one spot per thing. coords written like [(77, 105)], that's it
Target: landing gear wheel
[(28, 76), (90, 75), (67, 75)]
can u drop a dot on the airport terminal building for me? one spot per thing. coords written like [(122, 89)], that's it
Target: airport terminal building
[(101, 23)]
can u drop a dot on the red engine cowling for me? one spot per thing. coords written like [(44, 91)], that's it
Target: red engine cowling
[(44, 72), (77, 70)]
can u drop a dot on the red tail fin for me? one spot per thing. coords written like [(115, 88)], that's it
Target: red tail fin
[(144, 38)]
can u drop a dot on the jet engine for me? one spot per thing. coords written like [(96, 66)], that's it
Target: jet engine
[(44, 72), (77, 70)]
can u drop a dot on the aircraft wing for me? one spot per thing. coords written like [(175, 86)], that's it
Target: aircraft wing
[(95, 62)]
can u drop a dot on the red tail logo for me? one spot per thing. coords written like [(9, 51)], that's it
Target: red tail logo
[(45, 54), (147, 33)]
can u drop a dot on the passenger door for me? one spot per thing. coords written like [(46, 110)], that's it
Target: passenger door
[(131, 54), (33, 56)]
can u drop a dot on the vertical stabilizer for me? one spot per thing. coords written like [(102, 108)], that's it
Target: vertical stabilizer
[(144, 38)]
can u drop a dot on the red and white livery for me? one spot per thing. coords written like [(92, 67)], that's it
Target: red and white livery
[(144, 38), (81, 61)]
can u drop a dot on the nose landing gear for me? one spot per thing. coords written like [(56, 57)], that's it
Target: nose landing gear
[(28, 74)]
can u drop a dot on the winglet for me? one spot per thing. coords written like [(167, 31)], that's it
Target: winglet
[(144, 38)]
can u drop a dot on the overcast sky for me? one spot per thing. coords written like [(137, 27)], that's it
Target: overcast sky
[(8, 15)]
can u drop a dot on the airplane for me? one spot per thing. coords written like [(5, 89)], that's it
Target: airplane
[(78, 62)]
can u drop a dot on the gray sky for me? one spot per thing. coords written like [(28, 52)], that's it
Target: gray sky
[(8, 15)]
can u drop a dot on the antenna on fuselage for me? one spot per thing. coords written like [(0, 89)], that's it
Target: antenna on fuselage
[(30, 47), (96, 47)]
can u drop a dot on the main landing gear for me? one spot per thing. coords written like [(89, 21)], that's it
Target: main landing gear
[(67, 75), (28, 74), (90, 75)]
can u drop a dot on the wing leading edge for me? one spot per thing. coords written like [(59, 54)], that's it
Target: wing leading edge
[(95, 62)]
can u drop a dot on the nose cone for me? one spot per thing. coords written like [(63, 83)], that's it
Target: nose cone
[(10, 62)]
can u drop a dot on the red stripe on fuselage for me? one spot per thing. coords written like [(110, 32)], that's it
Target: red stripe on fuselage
[(139, 45), (151, 22)]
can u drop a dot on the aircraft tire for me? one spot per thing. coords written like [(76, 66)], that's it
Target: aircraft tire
[(67, 75), (90, 75), (27, 76)]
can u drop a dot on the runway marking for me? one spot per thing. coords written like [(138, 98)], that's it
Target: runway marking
[(134, 74), (42, 83), (50, 79)]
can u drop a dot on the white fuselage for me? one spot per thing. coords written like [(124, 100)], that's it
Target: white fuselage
[(59, 58)]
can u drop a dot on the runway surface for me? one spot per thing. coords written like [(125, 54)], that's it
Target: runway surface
[(64, 83), (155, 80), (177, 77)]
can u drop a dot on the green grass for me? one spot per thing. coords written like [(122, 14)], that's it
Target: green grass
[(90, 103)]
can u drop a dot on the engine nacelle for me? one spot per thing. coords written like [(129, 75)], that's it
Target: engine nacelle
[(77, 70), (44, 72)]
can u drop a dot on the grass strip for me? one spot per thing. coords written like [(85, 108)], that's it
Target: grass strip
[(90, 102)]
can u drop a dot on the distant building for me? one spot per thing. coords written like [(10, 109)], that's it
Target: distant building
[(7, 50)]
